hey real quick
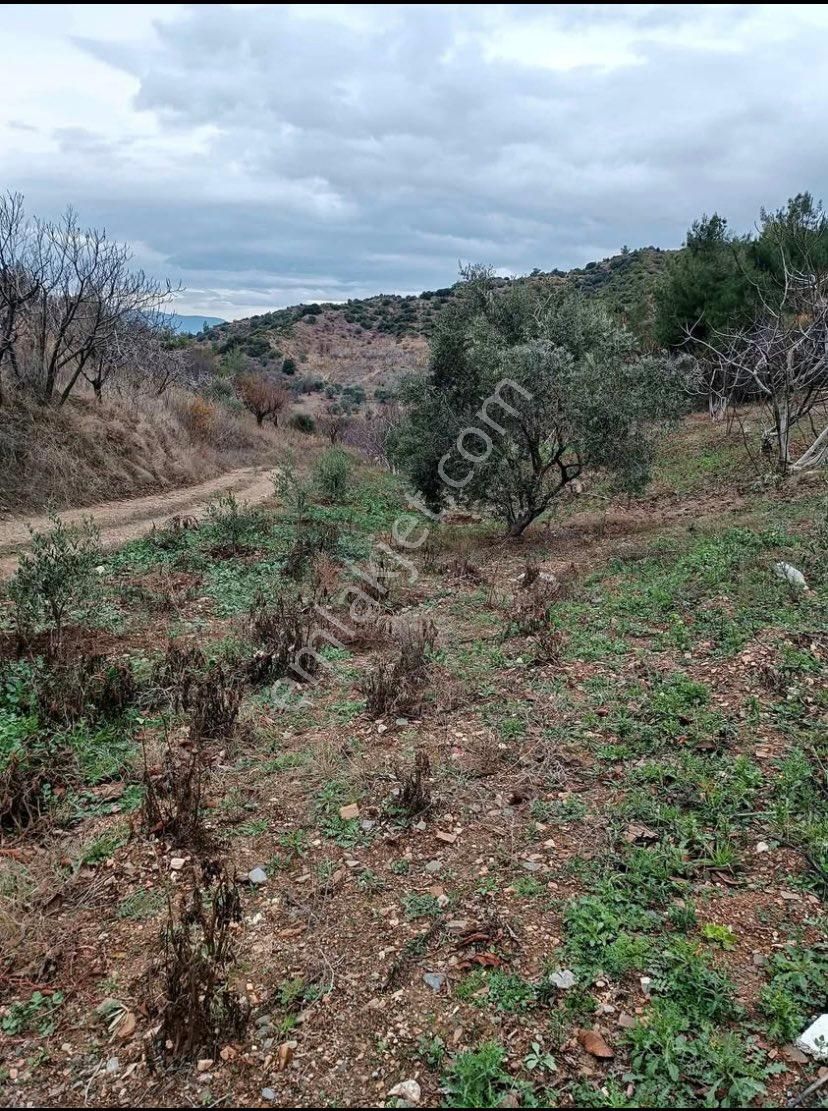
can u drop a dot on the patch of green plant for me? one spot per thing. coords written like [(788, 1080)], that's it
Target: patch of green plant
[(478, 1077), (143, 903), (346, 832), (678, 1061), (37, 1013), (723, 936), (103, 847), (421, 906), (55, 580), (332, 473), (254, 827), (795, 992)]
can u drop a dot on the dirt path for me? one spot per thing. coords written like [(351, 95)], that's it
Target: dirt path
[(120, 521)]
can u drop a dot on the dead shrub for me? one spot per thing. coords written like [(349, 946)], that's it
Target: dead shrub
[(175, 675), (27, 777), (324, 577), (90, 687), (173, 792), (200, 1012), (214, 705), (464, 569), (199, 418), (415, 787), (281, 629), (396, 687), (310, 542)]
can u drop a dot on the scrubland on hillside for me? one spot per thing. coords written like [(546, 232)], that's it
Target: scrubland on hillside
[(483, 762)]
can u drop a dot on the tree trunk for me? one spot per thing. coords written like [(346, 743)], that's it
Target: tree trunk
[(816, 455)]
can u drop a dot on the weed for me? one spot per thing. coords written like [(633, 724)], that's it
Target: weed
[(332, 474), (795, 991), (421, 906), (37, 1013), (141, 904), (478, 1077), (723, 936)]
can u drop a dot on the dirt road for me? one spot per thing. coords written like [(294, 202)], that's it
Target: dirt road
[(120, 521)]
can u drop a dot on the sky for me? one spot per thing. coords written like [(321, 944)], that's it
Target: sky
[(265, 155)]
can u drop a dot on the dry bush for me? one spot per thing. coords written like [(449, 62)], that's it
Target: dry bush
[(199, 417), (310, 542), (214, 705), (27, 777), (199, 1010), (173, 792), (262, 395), (324, 577), (415, 787), (396, 687), (461, 567), (90, 687), (281, 630), (175, 675)]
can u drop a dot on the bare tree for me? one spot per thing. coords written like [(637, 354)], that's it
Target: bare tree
[(67, 293), (333, 423), (19, 280), (262, 396), (781, 363)]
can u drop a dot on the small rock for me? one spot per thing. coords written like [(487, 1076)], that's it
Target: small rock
[(113, 1065), (815, 1039), (205, 1064), (564, 979), (177, 863), (409, 1090), (594, 1044), (401, 722), (434, 980), (791, 574), (448, 838), (646, 985), (433, 867), (268, 1095), (285, 1054), (763, 847), (350, 812), (637, 832), (257, 875), (627, 1022), (794, 1055)]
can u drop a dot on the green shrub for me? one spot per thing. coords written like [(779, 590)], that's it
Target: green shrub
[(56, 579), (332, 474), (303, 422)]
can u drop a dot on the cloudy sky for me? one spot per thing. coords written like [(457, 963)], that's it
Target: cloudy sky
[(266, 155)]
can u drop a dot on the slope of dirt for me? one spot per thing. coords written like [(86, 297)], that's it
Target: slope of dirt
[(120, 521), (575, 858)]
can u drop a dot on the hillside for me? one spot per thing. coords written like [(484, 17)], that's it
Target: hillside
[(373, 341), (575, 857)]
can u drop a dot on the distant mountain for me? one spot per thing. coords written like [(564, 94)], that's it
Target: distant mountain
[(189, 325), (372, 341)]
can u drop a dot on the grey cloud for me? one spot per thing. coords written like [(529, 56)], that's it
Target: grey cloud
[(343, 155)]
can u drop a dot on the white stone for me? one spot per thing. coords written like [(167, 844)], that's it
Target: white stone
[(815, 1039), (409, 1090)]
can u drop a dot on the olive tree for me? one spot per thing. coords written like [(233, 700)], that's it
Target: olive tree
[(528, 388)]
